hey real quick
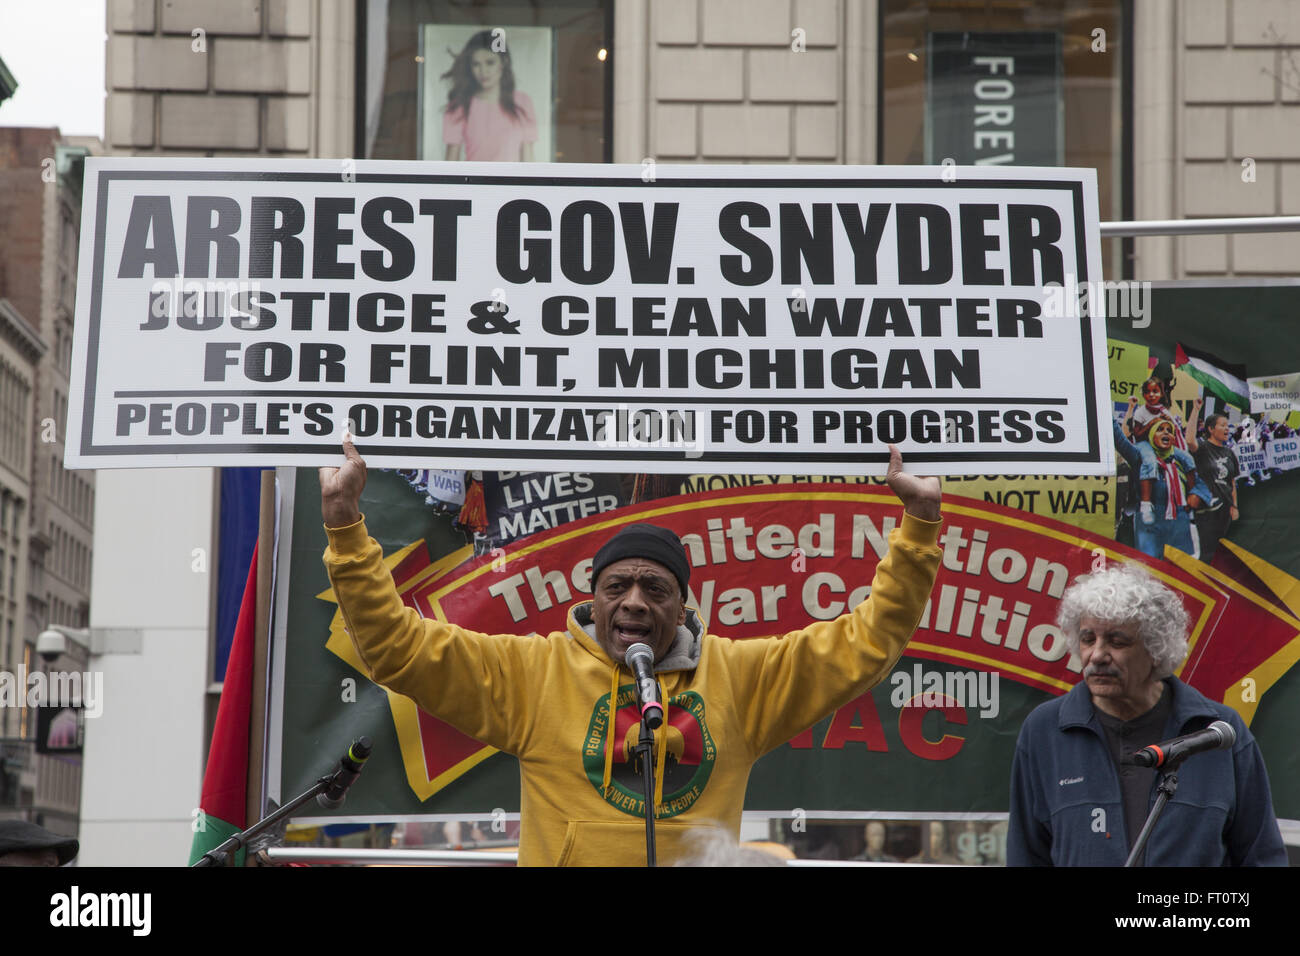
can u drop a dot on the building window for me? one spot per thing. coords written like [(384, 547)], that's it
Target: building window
[(13, 418), (555, 58), (1039, 84)]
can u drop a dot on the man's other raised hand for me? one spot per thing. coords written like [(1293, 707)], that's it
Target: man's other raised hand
[(920, 496), (340, 488)]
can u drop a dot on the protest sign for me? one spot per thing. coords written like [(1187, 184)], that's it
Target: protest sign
[(1283, 453), (1128, 369), (1250, 454), (1275, 393), (680, 320), (1087, 503), (521, 503)]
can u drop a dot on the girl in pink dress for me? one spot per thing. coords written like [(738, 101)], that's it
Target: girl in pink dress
[(487, 119)]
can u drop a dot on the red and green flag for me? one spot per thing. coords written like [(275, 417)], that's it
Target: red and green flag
[(1222, 379), (225, 780)]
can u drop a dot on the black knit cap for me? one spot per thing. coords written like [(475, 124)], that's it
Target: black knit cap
[(644, 541), (17, 835)]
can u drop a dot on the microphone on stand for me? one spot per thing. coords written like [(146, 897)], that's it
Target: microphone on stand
[(345, 774), (1218, 736), (641, 662)]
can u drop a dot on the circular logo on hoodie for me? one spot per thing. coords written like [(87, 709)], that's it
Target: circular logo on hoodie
[(687, 765)]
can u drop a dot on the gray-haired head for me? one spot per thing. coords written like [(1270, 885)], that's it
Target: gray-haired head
[(712, 845), (1127, 594)]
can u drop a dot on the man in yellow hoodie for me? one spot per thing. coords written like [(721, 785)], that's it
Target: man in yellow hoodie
[(547, 699)]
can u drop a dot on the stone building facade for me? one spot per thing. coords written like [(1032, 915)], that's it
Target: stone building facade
[(1215, 83), (245, 77), (49, 509)]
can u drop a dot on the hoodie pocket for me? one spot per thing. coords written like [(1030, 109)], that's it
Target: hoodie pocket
[(600, 843)]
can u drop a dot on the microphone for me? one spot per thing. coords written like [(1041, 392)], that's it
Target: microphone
[(349, 768), (641, 662), (1218, 736)]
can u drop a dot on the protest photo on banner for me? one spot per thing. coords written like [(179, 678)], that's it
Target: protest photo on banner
[(1202, 437)]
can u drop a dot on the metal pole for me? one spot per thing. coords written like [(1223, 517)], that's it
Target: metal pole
[(392, 857), (1195, 227)]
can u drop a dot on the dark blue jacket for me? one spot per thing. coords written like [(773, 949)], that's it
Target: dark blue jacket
[(1067, 809)]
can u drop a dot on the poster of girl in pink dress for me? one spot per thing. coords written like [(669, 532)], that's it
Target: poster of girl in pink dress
[(486, 94)]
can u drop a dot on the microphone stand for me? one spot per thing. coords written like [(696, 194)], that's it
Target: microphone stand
[(645, 753), (224, 854), (221, 856), (1166, 787)]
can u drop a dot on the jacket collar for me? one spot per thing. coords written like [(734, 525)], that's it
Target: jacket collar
[(684, 655), (1078, 710)]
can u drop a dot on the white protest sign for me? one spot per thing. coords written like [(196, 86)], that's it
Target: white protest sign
[(724, 319), (1250, 456), (447, 487), (1275, 393), (1282, 453)]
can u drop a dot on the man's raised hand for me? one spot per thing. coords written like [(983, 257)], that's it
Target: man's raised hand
[(340, 488), (920, 496)]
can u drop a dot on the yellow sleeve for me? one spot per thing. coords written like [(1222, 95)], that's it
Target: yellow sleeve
[(784, 685), (476, 682)]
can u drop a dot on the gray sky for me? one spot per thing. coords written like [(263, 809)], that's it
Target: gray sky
[(55, 50)]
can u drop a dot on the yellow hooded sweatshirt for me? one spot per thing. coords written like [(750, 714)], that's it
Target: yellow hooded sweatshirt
[(545, 699)]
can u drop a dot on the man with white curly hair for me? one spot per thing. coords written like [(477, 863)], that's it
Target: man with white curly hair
[(1076, 801)]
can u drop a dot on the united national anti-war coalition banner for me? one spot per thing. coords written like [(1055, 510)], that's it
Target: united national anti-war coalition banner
[(676, 320), (775, 550)]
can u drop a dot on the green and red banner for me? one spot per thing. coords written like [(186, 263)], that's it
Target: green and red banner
[(770, 560), (772, 553)]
